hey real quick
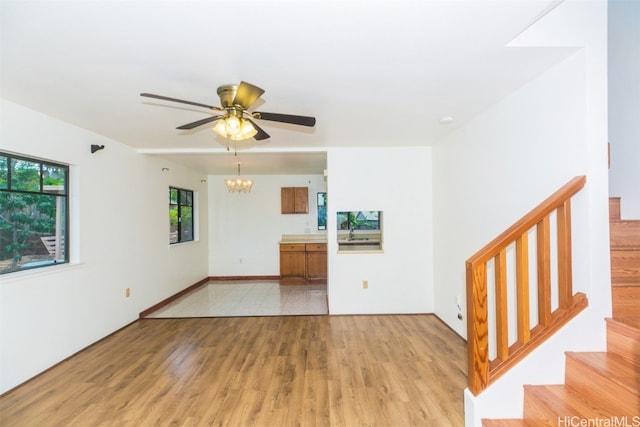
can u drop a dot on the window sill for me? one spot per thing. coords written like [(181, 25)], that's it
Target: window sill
[(177, 245), (360, 249), (41, 271)]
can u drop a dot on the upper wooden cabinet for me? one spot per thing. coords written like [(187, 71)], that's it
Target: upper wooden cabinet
[(294, 200)]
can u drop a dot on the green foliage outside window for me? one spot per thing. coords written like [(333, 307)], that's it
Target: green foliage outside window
[(33, 206), (358, 220), (180, 215)]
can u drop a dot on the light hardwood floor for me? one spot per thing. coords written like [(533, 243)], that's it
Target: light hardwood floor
[(390, 370)]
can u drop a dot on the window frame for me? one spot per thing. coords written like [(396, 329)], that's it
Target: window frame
[(42, 191), (179, 199)]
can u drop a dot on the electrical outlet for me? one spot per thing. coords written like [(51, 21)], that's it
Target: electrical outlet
[(365, 284), (127, 293)]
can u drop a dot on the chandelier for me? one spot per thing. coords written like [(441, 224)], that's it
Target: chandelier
[(238, 184)]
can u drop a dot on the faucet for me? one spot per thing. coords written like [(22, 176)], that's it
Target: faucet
[(351, 232)]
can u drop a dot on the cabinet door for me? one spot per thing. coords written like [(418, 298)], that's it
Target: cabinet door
[(287, 200), (301, 200), (292, 266), (316, 265), (294, 200)]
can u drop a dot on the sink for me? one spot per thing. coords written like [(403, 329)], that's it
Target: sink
[(357, 238)]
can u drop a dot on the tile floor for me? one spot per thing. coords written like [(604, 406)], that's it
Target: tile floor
[(255, 298)]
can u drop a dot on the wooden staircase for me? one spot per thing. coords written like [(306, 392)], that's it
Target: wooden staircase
[(601, 388)]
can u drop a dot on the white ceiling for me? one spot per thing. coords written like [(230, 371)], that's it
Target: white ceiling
[(373, 73)]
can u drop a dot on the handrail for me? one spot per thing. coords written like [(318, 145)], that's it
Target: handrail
[(481, 370)]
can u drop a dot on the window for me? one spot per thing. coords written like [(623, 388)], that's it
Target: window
[(322, 211), (180, 215), (359, 220), (33, 213), (359, 231)]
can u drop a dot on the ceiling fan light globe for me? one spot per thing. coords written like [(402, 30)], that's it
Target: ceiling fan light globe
[(233, 125), (248, 131), (220, 128)]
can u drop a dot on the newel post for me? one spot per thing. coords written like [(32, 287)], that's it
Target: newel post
[(477, 327)]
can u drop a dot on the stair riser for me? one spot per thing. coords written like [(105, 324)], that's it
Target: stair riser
[(602, 390), (625, 301), (624, 234), (625, 267), (537, 414), (624, 341), (547, 406), (614, 208)]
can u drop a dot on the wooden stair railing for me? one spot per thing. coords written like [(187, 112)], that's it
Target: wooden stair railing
[(599, 387), (481, 370)]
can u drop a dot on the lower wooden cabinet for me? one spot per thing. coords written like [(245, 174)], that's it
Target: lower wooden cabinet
[(292, 263), (316, 262), (303, 263)]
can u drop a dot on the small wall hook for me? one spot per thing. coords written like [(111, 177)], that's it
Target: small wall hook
[(95, 148)]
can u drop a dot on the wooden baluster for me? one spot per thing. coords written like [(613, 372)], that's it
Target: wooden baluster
[(502, 325), (477, 327), (522, 288), (565, 291), (479, 374), (544, 271)]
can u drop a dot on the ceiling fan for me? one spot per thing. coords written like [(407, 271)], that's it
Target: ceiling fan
[(235, 121)]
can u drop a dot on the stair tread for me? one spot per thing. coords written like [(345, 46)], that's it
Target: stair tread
[(614, 367), (625, 282), (562, 401), (630, 321)]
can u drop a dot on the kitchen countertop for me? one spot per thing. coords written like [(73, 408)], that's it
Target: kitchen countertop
[(303, 238)]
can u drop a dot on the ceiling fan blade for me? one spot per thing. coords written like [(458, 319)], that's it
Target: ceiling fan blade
[(247, 94), (286, 118), (261, 133), (199, 122), (166, 98)]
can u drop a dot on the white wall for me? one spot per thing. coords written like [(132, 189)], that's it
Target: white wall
[(501, 165), (507, 160), (398, 183), (624, 104), (119, 239), (245, 228)]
